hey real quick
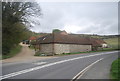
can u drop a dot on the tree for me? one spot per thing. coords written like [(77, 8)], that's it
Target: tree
[(56, 30), (15, 18)]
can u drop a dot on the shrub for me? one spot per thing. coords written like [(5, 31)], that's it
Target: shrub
[(115, 71)]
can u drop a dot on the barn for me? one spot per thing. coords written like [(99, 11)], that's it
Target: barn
[(59, 43), (98, 44)]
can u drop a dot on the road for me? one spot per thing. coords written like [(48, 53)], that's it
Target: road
[(63, 67), (26, 54)]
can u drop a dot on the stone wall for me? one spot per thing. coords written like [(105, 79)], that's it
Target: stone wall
[(46, 49), (80, 48), (70, 48), (63, 48)]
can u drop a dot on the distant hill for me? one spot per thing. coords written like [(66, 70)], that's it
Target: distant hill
[(98, 36), (84, 35)]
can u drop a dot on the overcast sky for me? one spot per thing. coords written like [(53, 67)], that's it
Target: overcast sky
[(79, 17)]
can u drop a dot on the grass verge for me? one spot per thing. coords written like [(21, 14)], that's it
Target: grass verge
[(115, 69), (31, 47), (85, 52), (104, 50), (13, 52)]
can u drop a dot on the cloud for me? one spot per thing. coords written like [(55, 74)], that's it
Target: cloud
[(86, 17)]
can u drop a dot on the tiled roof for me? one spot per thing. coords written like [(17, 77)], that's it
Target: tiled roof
[(64, 39), (32, 38), (97, 42), (69, 39)]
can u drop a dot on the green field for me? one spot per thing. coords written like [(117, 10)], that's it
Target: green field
[(112, 43), (13, 52), (115, 71)]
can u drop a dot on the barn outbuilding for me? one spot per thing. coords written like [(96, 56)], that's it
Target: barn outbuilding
[(58, 43), (98, 44)]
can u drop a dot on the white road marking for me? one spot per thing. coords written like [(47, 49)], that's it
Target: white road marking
[(47, 65), (79, 75)]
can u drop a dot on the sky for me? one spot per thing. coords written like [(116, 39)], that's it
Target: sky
[(78, 17)]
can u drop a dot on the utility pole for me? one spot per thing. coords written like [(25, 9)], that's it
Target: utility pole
[(53, 44)]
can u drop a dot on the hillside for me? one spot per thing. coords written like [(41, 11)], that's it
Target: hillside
[(112, 42)]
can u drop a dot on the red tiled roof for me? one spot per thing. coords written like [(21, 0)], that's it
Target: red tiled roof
[(32, 38)]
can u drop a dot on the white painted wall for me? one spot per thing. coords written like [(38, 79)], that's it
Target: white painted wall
[(104, 45)]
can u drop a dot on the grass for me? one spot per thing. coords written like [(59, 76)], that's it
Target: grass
[(13, 52), (32, 47), (41, 54), (113, 43), (86, 52), (115, 69), (38, 54), (0, 57)]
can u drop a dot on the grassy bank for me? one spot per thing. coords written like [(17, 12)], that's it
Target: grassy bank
[(112, 42), (31, 47), (115, 69), (104, 50), (13, 52)]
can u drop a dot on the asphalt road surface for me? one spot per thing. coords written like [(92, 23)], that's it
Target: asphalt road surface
[(87, 66)]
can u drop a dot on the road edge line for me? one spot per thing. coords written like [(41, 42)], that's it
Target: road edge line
[(79, 75)]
